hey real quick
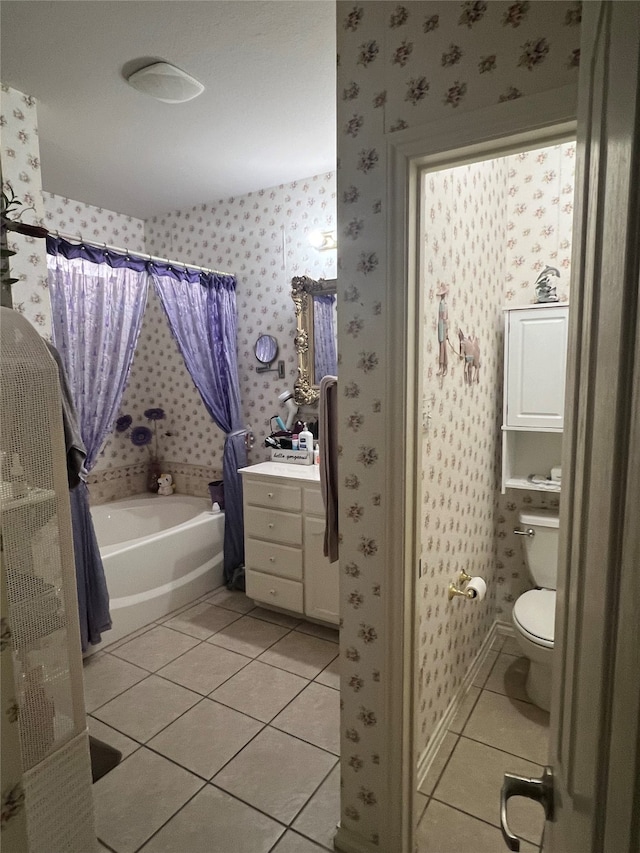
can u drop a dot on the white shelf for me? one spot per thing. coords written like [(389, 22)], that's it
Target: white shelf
[(524, 483), (527, 452)]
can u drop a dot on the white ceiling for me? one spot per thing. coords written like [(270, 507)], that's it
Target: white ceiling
[(267, 114)]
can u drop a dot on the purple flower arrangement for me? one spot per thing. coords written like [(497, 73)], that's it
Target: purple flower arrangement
[(141, 436)]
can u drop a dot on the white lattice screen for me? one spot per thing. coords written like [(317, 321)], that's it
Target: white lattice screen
[(37, 552)]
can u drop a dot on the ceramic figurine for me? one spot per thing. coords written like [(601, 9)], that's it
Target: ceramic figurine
[(545, 291), (165, 484), (443, 330), (470, 351)]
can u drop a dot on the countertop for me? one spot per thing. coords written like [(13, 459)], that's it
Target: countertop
[(284, 470)]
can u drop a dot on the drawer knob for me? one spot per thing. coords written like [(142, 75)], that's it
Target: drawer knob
[(272, 559), (272, 592), (270, 495), (271, 525)]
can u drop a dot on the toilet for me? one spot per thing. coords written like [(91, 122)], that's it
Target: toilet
[(534, 611)]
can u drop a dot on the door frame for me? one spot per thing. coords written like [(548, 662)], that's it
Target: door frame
[(536, 121)]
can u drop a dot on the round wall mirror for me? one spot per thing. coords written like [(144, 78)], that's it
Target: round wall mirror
[(266, 349)]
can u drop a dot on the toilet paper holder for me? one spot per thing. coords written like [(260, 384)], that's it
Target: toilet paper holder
[(463, 578)]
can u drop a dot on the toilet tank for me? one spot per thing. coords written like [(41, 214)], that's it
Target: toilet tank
[(541, 549)]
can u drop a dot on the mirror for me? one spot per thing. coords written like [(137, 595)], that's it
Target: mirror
[(266, 349), (316, 335)]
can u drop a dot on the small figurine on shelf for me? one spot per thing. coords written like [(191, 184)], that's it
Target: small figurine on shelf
[(166, 485), (545, 291)]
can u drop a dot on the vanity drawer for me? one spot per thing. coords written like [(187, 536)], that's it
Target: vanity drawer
[(277, 495), (276, 591), (275, 526), (273, 559), (313, 503)]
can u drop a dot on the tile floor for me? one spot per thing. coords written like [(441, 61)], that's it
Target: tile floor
[(496, 730), (227, 716), (207, 704)]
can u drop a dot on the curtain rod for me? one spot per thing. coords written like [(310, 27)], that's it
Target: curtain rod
[(145, 255)]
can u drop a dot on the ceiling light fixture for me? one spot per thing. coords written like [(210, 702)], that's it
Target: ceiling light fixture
[(323, 240), (165, 82)]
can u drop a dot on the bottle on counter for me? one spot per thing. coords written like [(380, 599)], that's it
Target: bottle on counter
[(305, 439)]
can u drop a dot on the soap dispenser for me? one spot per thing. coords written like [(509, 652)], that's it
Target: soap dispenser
[(305, 439)]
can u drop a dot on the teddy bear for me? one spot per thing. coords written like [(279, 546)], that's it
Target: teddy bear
[(165, 484)]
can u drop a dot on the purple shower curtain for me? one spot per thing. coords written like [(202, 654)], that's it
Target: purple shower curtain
[(202, 314), (324, 336), (97, 301)]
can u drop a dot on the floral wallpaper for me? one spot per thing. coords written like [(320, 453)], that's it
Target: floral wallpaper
[(93, 223), (263, 239), (465, 235), (540, 218), (401, 65), (20, 158)]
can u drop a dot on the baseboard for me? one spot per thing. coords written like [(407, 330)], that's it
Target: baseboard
[(347, 841), (504, 628), (435, 741)]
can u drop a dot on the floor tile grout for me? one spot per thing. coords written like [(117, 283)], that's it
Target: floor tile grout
[(308, 680), (424, 808), (98, 707), (506, 752), (491, 668), (469, 715), (206, 696), (199, 642), (315, 791), (446, 764), (462, 734), (147, 840), (476, 817), (275, 666), (264, 725), (109, 649), (246, 713), (186, 633)]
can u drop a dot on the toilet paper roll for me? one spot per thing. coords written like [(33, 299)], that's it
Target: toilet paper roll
[(478, 586)]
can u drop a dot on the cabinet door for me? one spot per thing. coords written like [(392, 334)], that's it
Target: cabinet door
[(321, 578), (536, 366)]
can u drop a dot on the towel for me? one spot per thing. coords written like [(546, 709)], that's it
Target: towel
[(76, 451), (328, 443)]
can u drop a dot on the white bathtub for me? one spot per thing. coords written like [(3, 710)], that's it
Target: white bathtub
[(159, 553)]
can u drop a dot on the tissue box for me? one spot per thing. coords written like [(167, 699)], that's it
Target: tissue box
[(294, 457)]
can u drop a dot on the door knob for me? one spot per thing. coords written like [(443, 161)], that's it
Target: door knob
[(540, 790)]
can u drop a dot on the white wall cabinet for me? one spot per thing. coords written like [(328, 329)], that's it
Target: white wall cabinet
[(535, 353), (285, 566)]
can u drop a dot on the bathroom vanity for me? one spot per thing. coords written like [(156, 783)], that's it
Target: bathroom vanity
[(284, 523)]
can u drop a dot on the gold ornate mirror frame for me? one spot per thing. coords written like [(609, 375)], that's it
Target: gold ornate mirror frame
[(306, 390)]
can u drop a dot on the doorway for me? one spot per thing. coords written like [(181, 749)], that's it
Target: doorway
[(490, 229), (494, 133), (594, 703)]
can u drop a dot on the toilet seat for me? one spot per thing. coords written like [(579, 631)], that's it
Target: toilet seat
[(534, 614)]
